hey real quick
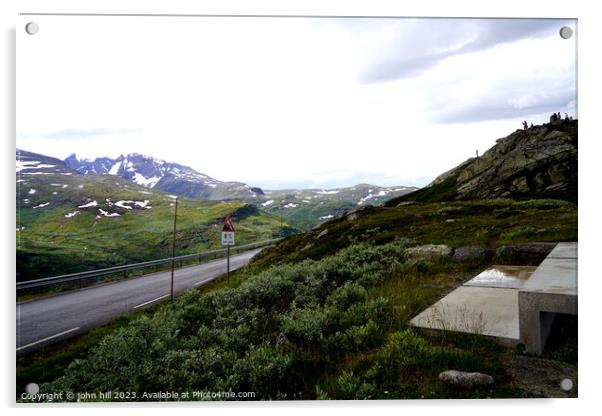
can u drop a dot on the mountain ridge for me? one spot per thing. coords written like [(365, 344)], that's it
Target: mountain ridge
[(538, 162), (165, 176)]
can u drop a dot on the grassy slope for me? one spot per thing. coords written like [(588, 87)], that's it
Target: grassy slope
[(51, 244), (369, 354), (486, 223)]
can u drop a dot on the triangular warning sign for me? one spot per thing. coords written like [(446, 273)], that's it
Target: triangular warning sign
[(228, 225)]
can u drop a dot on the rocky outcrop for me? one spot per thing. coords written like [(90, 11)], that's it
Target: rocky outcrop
[(472, 253), (528, 253), (539, 162), (429, 251)]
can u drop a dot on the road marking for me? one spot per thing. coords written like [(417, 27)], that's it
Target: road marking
[(48, 338), (150, 301), (201, 282)]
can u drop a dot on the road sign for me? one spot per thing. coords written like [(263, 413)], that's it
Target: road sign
[(227, 238), (228, 225)]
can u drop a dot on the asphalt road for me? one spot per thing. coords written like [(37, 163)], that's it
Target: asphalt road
[(41, 322)]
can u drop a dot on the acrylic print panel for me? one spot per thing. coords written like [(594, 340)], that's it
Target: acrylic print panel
[(402, 193)]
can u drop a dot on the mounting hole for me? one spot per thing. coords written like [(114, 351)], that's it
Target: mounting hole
[(32, 388), (521, 348), (566, 32), (32, 28), (566, 384)]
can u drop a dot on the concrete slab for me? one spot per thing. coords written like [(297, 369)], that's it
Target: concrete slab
[(511, 277), (564, 250), (472, 309), (554, 275)]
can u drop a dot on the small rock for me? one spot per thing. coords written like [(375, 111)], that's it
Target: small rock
[(523, 253), (465, 380), (471, 253), (429, 251)]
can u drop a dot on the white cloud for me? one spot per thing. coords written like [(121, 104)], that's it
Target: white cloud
[(276, 102)]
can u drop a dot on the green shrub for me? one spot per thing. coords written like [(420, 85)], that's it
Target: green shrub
[(347, 295), (349, 387), (262, 370), (307, 325)]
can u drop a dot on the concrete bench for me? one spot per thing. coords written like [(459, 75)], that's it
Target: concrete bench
[(512, 305), (550, 290)]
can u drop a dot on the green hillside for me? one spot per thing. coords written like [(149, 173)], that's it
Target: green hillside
[(56, 236), (486, 223), (306, 208)]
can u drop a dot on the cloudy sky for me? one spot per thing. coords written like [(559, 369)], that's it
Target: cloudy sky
[(289, 102)]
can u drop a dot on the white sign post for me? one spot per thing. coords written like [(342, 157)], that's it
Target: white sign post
[(228, 240)]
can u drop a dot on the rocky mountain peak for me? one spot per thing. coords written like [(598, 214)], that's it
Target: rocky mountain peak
[(537, 162), (165, 176)]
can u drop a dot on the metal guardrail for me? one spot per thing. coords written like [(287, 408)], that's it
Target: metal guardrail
[(28, 284)]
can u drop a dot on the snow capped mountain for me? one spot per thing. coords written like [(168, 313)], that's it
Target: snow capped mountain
[(165, 176), (30, 164)]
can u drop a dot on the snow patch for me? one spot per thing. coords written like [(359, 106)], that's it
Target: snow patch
[(148, 182), (26, 164), (32, 191), (107, 214), (71, 214), (89, 204), (31, 164), (291, 205), (326, 217), (141, 204), (114, 169), (120, 204), (323, 192), (266, 203), (45, 204)]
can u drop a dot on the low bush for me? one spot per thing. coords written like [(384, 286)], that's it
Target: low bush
[(224, 340)]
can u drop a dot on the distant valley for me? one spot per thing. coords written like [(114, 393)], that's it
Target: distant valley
[(78, 214), (305, 208), (69, 222)]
